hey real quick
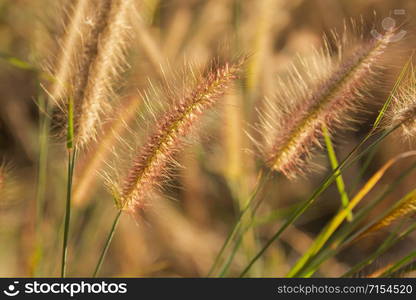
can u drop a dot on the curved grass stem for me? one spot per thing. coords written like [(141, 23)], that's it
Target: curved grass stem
[(261, 181), (107, 243)]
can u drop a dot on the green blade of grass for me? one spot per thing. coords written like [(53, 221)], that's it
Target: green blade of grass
[(324, 236), (17, 62), (341, 239), (230, 258), (381, 115), (71, 165), (338, 176), (385, 245), (394, 213), (44, 127), (70, 129)]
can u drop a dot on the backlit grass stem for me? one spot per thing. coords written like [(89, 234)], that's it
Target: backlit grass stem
[(107, 243), (339, 218)]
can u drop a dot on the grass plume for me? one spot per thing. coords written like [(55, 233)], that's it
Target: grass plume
[(4, 179), (92, 58), (291, 122)]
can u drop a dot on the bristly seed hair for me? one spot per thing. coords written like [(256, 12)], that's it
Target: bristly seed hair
[(91, 59), (403, 209), (149, 166), (403, 108), (291, 122)]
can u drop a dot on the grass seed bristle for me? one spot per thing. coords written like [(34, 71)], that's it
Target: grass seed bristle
[(291, 122), (150, 164)]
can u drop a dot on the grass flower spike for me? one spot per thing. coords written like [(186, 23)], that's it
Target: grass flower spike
[(291, 122), (173, 126), (7, 184), (403, 108), (91, 59)]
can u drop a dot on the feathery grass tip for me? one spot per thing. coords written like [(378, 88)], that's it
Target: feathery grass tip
[(291, 123), (403, 109)]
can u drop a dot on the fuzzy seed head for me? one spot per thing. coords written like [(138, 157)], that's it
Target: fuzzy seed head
[(320, 91), (166, 139), (403, 109)]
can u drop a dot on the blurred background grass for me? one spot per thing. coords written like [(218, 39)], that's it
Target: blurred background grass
[(180, 234)]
